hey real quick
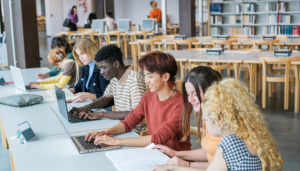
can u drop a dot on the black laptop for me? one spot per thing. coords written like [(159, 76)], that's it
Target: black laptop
[(62, 106)]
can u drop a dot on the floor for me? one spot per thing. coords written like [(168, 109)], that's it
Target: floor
[(284, 125)]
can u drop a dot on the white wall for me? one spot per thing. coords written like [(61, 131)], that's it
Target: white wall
[(38, 7), (60, 10), (137, 10)]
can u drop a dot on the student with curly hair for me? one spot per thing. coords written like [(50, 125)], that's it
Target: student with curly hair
[(161, 107), (229, 111), (126, 86)]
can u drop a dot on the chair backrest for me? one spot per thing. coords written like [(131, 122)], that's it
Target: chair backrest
[(140, 33), (165, 37), (274, 60), (199, 49), (116, 34), (281, 37), (264, 42), (146, 42), (239, 36), (188, 43), (84, 30), (220, 42), (207, 37)]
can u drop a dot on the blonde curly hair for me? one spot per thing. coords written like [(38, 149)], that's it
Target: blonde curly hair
[(231, 103)]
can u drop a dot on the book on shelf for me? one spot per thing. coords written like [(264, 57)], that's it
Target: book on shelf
[(271, 19), (282, 7), (249, 19), (249, 7), (234, 31), (238, 8), (215, 31), (250, 31), (235, 19), (284, 18), (215, 8), (216, 0), (272, 6), (289, 30), (216, 19), (267, 30)]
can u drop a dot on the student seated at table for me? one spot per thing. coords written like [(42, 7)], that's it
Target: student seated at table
[(58, 58), (161, 107), (126, 86), (62, 44), (194, 85), (229, 111), (91, 84)]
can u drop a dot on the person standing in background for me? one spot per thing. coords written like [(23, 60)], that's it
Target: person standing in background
[(74, 18), (155, 12), (110, 21), (92, 17)]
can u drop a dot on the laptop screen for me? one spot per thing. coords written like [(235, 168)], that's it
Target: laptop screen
[(61, 101)]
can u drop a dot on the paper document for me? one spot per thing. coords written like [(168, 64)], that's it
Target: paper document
[(140, 159), (68, 94), (45, 79)]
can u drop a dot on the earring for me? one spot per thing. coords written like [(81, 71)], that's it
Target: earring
[(165, 82)]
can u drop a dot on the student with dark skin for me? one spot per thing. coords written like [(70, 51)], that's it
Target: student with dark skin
[(109, 60)]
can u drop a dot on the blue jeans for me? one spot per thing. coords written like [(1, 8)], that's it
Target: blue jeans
[(108, 109)]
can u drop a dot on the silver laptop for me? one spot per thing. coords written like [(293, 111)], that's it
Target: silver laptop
[(18, 80), (86, 147)]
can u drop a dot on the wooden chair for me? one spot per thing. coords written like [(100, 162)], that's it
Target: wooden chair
[(286, 78), (91, 36), (258, 43), (222, 43), (178, 84), (239, 36), (117, 42), (187, 43), (84, 30)]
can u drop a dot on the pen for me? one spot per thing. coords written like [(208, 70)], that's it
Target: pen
[(36, 71)]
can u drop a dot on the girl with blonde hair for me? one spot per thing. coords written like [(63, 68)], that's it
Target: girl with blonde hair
[(91, 84), (229, 111), (59, 59)]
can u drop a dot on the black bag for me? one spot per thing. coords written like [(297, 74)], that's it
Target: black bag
[(67, 22)]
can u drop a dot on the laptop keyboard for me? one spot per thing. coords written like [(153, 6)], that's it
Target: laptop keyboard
[(87, 145), (75, 119)]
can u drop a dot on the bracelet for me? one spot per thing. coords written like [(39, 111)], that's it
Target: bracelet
[(106, 134)]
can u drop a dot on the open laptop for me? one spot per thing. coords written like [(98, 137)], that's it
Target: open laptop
[(87, 147), (18, 80), (62, 106)]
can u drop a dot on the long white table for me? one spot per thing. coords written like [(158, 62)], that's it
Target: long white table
[(52, 149)]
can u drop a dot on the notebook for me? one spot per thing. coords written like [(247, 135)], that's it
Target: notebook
[(141, 159), (68, 94)]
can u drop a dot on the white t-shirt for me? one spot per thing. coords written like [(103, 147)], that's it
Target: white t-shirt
[(110, 22)]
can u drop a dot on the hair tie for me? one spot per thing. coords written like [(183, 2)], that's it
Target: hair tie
[(59, 56)]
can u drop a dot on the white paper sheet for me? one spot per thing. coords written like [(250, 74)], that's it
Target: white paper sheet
[(140, 159)]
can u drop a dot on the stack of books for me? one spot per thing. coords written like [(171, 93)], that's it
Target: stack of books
[(249, 19), (235, 19), (250, 31), (215, 31), (215, 8), (269, 30), (289, 30), (234, 31), (271, 6), (271, 19), (249, 7), (283, 18), (281, 7), (216, 19)]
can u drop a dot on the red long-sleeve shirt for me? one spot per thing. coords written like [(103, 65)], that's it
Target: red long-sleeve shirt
[(163, 120)]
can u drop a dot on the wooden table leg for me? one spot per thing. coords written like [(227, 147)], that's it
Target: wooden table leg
[(296, 101), (125, 46), (12, 162), (181, 70), (133, 52), (236, 67), (252, 72), (3, 136)]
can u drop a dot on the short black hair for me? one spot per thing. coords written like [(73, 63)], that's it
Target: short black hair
[(109, 14), (109, 54), (151, 3)]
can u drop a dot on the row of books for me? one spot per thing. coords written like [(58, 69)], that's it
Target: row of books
[(249, 19), (250, 31), (215, 31), (216, 19), (283, 18), (234, 31), (215, 8), (238, 8), (282, 7), (235, 19), (269, 30), (271, 6), (249, 7), (271, 19), (289, 30), (216, 0)]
